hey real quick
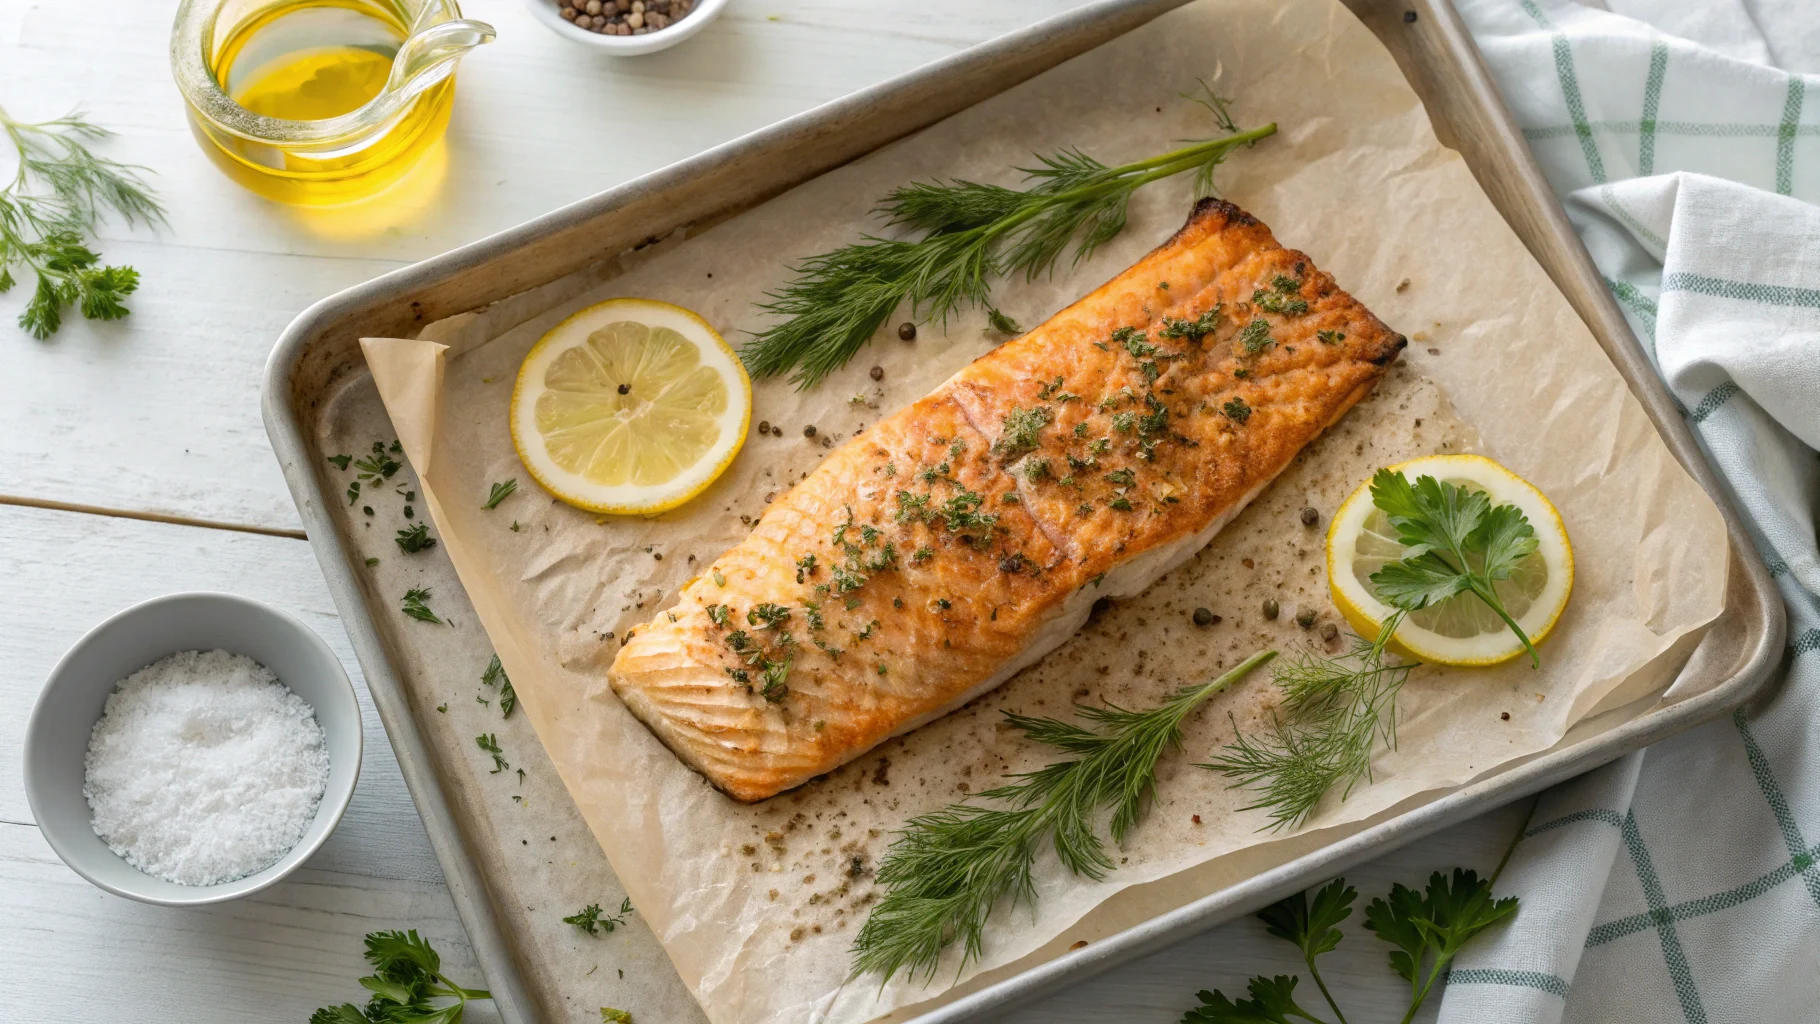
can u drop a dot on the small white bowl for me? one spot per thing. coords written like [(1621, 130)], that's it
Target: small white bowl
[(626, 46), (57, 738)]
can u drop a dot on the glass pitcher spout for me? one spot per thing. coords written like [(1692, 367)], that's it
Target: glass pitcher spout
[(428, 56)]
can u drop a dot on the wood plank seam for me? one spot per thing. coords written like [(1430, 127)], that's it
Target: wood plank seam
[(150, 517)]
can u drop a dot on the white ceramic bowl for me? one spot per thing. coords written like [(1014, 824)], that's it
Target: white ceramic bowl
[(626, 46), (56, 740)]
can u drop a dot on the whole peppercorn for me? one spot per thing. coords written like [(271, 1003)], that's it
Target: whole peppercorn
[(809, 431), (1203, 617), (1310, 517), (1329, 632), (1271, 608), (906, 331), (1305, 618), (878, 373), (764, 426)]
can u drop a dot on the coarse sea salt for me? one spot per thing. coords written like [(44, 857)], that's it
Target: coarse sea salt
[(204, 768)]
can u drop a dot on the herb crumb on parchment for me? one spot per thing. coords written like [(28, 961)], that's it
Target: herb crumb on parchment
[(594, 921), (416, 605), (490, 743), (499, 493), (495, 675)]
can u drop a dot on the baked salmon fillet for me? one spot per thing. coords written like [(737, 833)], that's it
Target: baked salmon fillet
[(959, 540)]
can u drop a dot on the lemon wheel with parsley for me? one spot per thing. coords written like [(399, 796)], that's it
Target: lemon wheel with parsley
[(630, 407), (1461, 630)]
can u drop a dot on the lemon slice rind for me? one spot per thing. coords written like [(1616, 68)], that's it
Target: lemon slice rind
[(630, 498), (1365, 613)]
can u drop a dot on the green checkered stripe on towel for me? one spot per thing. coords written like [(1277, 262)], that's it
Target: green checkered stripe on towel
[(1635, 142), (1801, 866)]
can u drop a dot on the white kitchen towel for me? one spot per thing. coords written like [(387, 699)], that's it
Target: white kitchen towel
[(1681, 884)]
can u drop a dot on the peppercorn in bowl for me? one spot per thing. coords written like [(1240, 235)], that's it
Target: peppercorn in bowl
[(627, 27)]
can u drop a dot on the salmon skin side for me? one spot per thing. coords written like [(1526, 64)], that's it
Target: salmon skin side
[(962, 538)]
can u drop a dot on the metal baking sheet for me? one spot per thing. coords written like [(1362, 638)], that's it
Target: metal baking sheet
[(317, 397)]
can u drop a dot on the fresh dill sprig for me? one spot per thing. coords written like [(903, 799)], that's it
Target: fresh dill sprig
[(947, 870), (57, 195), (970, 233), (1334, 712)]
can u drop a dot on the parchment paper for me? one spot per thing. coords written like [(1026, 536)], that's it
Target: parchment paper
[(757, 905)]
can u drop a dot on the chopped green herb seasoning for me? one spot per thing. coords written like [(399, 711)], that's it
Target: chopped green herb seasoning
[(1018, 435), (415, 539), (416, 605), (500, 492), (1192, 330), (1002, 323), (594, 921), (1282, 297), (495, 675), (1256, 336), (490, 743)]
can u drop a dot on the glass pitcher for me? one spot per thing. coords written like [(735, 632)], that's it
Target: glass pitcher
[(318, 102)]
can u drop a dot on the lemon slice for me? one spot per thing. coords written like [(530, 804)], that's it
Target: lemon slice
[(1461, 630), (630, 407)]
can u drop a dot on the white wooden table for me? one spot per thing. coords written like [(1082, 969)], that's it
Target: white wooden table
[(136, 465)]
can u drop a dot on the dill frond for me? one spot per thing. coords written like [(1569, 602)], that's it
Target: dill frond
[(1335, 712), (947, 870), (56, 197), (971, 232)]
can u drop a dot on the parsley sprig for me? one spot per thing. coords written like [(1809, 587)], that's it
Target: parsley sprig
[(1428, 929), (970, 232), (947, 870), (407, 983), (1456, 542), (56, 197)]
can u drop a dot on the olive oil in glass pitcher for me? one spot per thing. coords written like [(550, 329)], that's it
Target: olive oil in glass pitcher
[(319, 102)]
